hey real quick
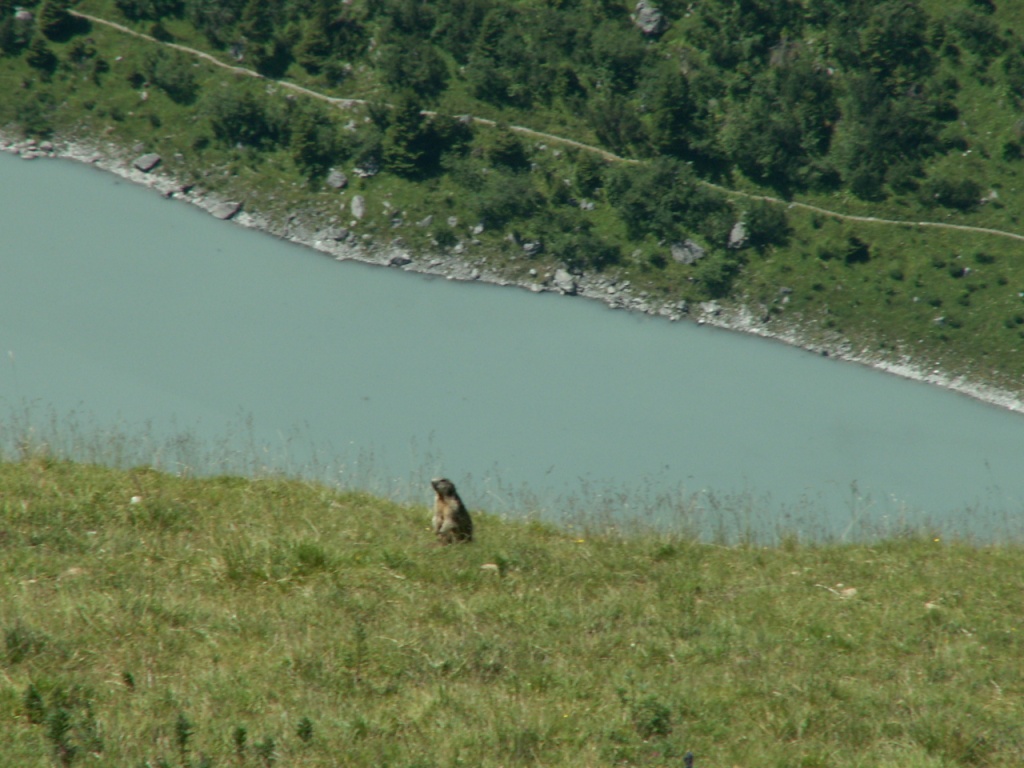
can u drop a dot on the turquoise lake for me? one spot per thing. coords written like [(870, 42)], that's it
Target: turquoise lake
[(135, 329)]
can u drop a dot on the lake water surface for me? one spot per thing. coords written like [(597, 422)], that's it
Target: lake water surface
[(122, 313)]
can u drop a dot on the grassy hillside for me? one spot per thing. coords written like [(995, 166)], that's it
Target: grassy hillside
[(156, 620), (902, 111)]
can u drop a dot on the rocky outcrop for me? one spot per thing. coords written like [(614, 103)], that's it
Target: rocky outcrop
[(358, 206)]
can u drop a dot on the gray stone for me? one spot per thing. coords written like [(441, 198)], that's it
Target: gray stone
[(335, 233), (687, 252), (564, 282), (425, 222), (399, 260), (710, 308), (226, 209), (738, 235), (358, 206), (336, 179), (147, 162), (453, 221), (367, 169), (533, 248), (649, 19), (478, 229)]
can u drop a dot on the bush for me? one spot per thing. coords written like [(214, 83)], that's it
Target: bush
[(14, 35), (505, 150), (960, 193), (241, 114), (715, 273), (151, 10), (857, 251), (315, 139), (173, 74), (504, 198), (54, 20), (579, 248), (662, 197), (767, 224), (40, 56), (418, 67)]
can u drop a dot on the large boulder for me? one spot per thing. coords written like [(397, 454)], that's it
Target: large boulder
[(649, 19), (334, 233), (225, 210), (336, 179), (532, 248), (564, 282), (738, 235), (687, 252), (147, 162), (358, 206)]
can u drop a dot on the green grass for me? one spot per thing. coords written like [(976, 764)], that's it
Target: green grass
[(149, 619)]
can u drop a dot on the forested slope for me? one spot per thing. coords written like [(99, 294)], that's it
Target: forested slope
[(901, 110)]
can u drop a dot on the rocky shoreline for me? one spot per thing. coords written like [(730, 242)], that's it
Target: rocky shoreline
[(147, 169)]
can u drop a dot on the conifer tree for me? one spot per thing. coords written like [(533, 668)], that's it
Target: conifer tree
[(54, 20)]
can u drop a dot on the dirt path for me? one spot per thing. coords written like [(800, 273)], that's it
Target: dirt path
[(611, 156)]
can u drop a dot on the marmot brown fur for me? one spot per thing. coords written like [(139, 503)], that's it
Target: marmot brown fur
[(451, 518)]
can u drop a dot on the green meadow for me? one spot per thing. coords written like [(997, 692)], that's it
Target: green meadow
[(150, 619)]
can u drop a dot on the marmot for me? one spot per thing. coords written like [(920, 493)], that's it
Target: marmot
[(451, 519)]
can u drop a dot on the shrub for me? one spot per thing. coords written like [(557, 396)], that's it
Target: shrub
[(960, 193), (714, 274), (418, 67), (173, 74), (240, 114), (767, 224), (506, 197), (315, 139), (40, 56)]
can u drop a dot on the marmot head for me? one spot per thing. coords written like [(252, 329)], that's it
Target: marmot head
[(443, 487)]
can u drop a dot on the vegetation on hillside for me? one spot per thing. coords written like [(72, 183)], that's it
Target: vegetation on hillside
[(156, 620), (908, 110)]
